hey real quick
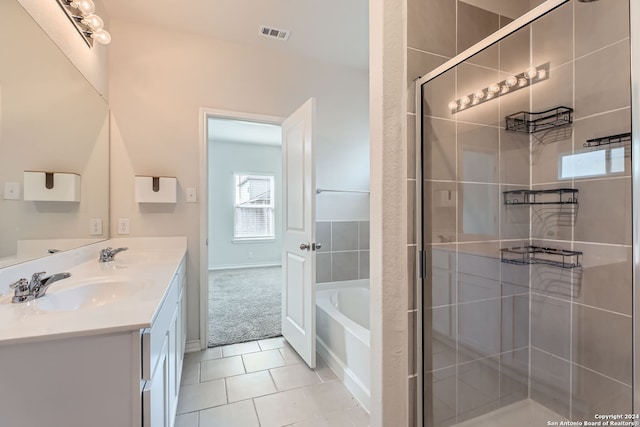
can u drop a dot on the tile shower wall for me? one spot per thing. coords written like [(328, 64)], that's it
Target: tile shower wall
[(479, 351), (581, 318), (344, 254)]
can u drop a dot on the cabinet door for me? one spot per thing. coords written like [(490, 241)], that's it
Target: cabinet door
[(155, 396), (174, 365), (184, 314)]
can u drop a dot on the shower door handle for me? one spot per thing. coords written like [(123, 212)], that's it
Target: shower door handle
[(305, 246)]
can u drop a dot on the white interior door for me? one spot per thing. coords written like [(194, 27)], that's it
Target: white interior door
[(299, 258)]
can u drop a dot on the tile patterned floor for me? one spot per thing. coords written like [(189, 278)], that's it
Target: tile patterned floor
[(263, 384)]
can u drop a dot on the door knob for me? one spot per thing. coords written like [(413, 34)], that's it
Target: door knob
[(305, 246), (316, 246)]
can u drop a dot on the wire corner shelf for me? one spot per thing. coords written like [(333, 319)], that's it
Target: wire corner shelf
[(531, 254), (620, 138), (529, 122), (556, 196)]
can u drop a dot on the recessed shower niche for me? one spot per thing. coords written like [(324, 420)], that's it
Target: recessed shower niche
[(526, 294)]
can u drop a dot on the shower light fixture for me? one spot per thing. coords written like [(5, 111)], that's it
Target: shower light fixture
[(512, 83), (89, 25)]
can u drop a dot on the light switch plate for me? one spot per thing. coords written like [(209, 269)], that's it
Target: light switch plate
[(12, 191)]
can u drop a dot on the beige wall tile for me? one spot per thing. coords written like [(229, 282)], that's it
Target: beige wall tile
[(602, 80), (514, 158), (430, 31), (552, 37), (478, 153), (551, 325), (478, 388), (603, 342), (606, 275), (514, 376), (599, 24), (604, 214), (551, 382), (439, 149), (595, 394)]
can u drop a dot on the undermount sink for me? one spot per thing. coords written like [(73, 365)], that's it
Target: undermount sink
[(88, 295)]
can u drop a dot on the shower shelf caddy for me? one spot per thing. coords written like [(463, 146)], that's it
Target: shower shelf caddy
[(558, 196), (606, 140), (527, 122), (529, 254)]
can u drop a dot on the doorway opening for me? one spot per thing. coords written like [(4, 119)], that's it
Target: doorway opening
[(244, 191)]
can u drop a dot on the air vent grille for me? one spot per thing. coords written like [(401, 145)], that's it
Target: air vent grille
[(274, 32)]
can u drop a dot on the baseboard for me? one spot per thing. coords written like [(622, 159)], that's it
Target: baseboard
[(349, 379), (192, 346), (236, 267)]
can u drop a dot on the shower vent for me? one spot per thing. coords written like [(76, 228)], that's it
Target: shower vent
[(274, 32)]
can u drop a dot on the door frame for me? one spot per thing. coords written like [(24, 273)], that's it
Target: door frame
[(204, 115)]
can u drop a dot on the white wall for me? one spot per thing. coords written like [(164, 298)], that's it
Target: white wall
[(158, 81), (225, 158), (92, 63)]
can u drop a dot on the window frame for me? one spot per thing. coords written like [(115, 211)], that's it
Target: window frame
[(271, 177)]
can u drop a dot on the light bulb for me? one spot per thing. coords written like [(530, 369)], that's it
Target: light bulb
[(86, 7), (505, 89), (453, 105), (494, 88), (94, 22), (464, 101), (531, 73), (522, 82), (511, 81), (479, 94), (101, 36), (542, 74)]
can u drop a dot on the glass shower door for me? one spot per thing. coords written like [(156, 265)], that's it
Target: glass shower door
[(527, 226)]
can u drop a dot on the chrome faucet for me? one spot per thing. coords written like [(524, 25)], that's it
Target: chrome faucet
[(36, 287), (107, 254)]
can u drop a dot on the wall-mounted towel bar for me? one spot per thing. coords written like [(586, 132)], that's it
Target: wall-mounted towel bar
[(324, 190)]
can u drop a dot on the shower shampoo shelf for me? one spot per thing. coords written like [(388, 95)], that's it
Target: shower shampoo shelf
[(606, 140), (558, 196), (527, 122), (523, 255)]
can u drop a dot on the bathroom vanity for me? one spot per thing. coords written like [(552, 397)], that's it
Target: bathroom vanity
[(104, 347)]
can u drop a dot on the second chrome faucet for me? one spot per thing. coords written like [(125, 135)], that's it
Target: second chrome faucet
[(35, 288)]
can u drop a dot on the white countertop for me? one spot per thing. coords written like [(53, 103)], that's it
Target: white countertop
[(149, 265)]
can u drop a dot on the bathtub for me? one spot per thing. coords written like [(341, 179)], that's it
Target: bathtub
[(342, 331)]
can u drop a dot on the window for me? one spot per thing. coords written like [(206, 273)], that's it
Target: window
[(254, 206)]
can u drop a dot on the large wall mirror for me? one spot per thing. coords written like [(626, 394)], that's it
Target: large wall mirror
[(51, 120)]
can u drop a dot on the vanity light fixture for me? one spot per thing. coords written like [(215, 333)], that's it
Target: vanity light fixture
[(528, 77), (89, 25)]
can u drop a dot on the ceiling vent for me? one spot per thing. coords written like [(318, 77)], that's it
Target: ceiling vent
[(274, 32)]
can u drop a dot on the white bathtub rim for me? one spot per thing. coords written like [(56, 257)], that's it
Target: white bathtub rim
[(346, 375), (360, 283), (361, 333)]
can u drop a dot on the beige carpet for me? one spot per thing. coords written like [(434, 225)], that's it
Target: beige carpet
[(244, 305)]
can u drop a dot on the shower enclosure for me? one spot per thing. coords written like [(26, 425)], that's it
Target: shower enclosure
[(527, 224)]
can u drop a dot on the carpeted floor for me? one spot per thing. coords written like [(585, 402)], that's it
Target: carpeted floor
[(244, 305)]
